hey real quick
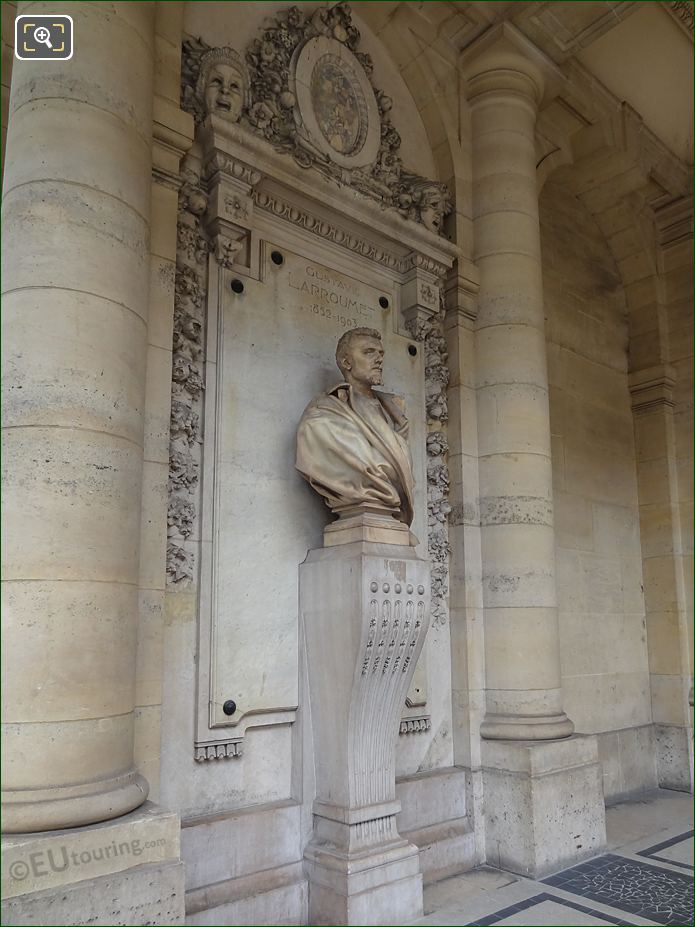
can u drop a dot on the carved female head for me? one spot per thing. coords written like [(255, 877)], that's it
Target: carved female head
[(223, 83), (433, 202)]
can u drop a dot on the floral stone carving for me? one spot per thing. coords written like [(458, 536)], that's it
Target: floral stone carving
[(308, 90), (187, 377), (430, 332)]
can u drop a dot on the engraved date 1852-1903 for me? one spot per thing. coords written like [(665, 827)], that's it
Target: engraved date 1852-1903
[(324, 312)]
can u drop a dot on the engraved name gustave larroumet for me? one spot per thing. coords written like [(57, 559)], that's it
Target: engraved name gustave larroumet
[(351, 441)]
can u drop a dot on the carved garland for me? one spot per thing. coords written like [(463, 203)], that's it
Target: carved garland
[(187, 377), (264, 99), (431, 334)]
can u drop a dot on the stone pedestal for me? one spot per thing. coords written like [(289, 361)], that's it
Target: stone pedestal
[(365, 608), (127, 871), (544, 804)]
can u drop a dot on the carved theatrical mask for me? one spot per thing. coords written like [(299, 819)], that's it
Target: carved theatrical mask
[(432, 212), (305, 86), (224, 91), (431, 203)]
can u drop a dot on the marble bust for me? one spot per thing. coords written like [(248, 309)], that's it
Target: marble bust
[(352, 441), (223, 83)]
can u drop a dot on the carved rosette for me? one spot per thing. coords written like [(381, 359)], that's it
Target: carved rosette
[(429, 330), (187, 378)]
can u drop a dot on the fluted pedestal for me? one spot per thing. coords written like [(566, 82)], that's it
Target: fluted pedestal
[(365, 608)]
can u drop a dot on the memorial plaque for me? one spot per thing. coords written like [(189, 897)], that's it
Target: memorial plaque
[(275, 352)]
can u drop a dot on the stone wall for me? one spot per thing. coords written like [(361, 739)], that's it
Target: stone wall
[(602, 622)]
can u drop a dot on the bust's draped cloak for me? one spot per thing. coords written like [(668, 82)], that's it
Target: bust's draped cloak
[(349, 460)]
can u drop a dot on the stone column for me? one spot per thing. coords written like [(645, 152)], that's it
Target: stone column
[(76, 282), (528, 757), (522, 659)]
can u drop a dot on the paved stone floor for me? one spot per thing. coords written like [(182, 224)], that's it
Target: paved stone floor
[(645, 878)]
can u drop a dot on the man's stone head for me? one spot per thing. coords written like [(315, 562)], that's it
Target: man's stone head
[(223, 83), (360, 357)]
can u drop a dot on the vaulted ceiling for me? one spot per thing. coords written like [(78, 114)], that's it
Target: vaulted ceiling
[(641, 52)]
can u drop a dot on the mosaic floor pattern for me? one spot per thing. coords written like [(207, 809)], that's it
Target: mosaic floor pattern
[(645, 879), (652, 892)]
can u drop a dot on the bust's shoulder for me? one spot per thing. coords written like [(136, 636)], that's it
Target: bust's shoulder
[(334, 400)]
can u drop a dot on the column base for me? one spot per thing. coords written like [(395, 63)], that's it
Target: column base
[(674, 756), (26, 811), (127, 871), (382, 885), (518, 727), (544, 804)]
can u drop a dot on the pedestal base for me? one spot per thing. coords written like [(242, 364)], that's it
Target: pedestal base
[(370, 528), (125, 871), (381, 886), (544, 804)]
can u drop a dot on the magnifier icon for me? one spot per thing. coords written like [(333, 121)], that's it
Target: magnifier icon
[(42, 35)]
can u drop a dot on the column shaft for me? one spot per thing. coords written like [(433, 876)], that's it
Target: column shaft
[(522, 663), (76, 281)]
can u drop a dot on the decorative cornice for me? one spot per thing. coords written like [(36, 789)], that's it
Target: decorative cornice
[(272, 203), (172, 136), (652, 388), (674, 222), (277, 206), (219, 162), (461, 293), (415, 725), (274, 98), (217, 750)]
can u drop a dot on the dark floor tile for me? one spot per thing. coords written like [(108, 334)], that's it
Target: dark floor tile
[(648, 891)]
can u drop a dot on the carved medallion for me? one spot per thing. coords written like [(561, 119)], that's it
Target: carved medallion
[(336, 103), (308, 90)]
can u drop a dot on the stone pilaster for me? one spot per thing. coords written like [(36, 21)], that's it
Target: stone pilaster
[(668, 627), (505, 79), (76, 280)]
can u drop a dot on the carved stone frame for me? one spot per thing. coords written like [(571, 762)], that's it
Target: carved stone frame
[(248, 187)]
